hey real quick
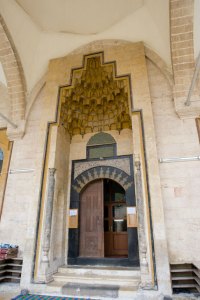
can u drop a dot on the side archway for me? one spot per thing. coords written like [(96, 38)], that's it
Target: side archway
[(14, 75)]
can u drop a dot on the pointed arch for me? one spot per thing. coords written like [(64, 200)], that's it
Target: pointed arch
[(14, 73)]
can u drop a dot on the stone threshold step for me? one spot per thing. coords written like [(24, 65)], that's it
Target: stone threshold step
[(105, 281), (90, 290), (55, 288), (101, 271), (101, 267), (95, 276)]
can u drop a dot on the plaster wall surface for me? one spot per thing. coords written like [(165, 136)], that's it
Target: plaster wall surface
[(179, 180)]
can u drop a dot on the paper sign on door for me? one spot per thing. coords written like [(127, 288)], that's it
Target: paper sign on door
[(131, 216), (73, 218)]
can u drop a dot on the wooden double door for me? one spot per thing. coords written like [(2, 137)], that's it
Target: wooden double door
[(103, 224)]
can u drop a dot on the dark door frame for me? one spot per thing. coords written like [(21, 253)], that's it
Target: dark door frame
[(77, 184), (110, 235)]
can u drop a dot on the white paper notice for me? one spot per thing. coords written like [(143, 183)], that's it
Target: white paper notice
[(131, 210), (73, 212)]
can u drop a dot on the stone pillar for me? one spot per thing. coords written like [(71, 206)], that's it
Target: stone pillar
[(48, 217), (144, 268)]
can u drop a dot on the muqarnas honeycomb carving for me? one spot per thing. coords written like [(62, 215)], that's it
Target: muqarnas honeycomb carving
[(96, 100)]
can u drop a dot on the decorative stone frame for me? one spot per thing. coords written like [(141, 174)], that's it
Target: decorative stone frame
[(144, 149), (103, 169)]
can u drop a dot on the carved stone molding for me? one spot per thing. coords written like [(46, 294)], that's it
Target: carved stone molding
[(145, 282), (48, 216), (123, 164), (102, 172)]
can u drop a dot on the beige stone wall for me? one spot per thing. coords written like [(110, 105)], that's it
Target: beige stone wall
[(20, 211), (123, 141), (4, 105), (179, 180)]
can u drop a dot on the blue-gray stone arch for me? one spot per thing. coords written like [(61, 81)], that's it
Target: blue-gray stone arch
[(107, 172)]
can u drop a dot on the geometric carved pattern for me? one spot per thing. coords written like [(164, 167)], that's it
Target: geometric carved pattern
[(102, 172), (96, 101), (122, 164)]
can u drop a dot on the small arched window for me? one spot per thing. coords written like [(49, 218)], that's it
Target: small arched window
[(1, 159), (101, 145)]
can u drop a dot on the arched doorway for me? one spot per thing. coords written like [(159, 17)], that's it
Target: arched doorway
[(103, 220), (102, 194)]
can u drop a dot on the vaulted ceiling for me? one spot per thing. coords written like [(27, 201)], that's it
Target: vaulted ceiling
[(78, 16), (45, 29)]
